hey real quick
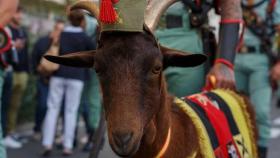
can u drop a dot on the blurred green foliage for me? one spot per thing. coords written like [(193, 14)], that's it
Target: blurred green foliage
[(44, 7)]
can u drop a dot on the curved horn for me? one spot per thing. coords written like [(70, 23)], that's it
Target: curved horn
[(89, 6), (154, 10)]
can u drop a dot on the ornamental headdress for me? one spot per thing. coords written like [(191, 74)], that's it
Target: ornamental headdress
[(126, 15)]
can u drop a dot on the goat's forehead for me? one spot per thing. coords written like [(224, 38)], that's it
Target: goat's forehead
[(129, 42), (132, 47), (130, 51)]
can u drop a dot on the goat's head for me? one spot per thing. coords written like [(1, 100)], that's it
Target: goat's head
[(129, 67)]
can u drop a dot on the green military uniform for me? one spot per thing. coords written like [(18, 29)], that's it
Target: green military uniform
[(2, 147), (91, 93), (95, 100), (252, 74), (182, 81)]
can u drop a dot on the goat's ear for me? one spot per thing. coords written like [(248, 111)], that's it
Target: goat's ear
[(178, 58), (79, 59)]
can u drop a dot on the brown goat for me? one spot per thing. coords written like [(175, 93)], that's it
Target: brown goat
[(139, 111), (137, 106)]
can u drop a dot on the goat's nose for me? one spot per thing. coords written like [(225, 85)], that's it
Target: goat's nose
[(122, 139)]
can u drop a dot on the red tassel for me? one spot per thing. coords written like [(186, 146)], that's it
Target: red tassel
[(108, 14)]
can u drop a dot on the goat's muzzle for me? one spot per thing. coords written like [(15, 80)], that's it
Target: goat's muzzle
[(123, 143)]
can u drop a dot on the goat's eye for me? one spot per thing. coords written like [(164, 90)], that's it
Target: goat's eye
[(156, 69)]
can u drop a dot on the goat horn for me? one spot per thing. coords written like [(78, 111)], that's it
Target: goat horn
[(89, 6), (154, 10)]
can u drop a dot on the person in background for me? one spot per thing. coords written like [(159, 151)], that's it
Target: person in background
[(275, 76), (7, 9), (90, 107), (275, 71), (262, 19), (185, 26), (67, 83), (40, 48), (20, 77), (6, 97)]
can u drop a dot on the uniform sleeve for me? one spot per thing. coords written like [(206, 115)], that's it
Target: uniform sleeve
[(276, 13), (231, 15)]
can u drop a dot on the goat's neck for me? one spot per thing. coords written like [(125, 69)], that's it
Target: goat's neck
[(156, 132)]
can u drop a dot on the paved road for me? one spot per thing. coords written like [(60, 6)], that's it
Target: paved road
[(33, 149), (274, 150)]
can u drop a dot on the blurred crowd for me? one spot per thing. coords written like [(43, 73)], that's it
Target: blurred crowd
[(62, 92)]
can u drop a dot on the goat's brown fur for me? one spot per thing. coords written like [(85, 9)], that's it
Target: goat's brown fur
[(138, 108)]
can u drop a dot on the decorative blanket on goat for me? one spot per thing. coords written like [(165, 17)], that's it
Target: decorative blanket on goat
[(222, 122)]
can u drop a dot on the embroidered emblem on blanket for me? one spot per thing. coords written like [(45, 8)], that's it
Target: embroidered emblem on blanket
[(215, 115)]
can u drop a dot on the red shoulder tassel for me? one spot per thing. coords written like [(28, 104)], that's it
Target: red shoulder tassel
[(108, 14)]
